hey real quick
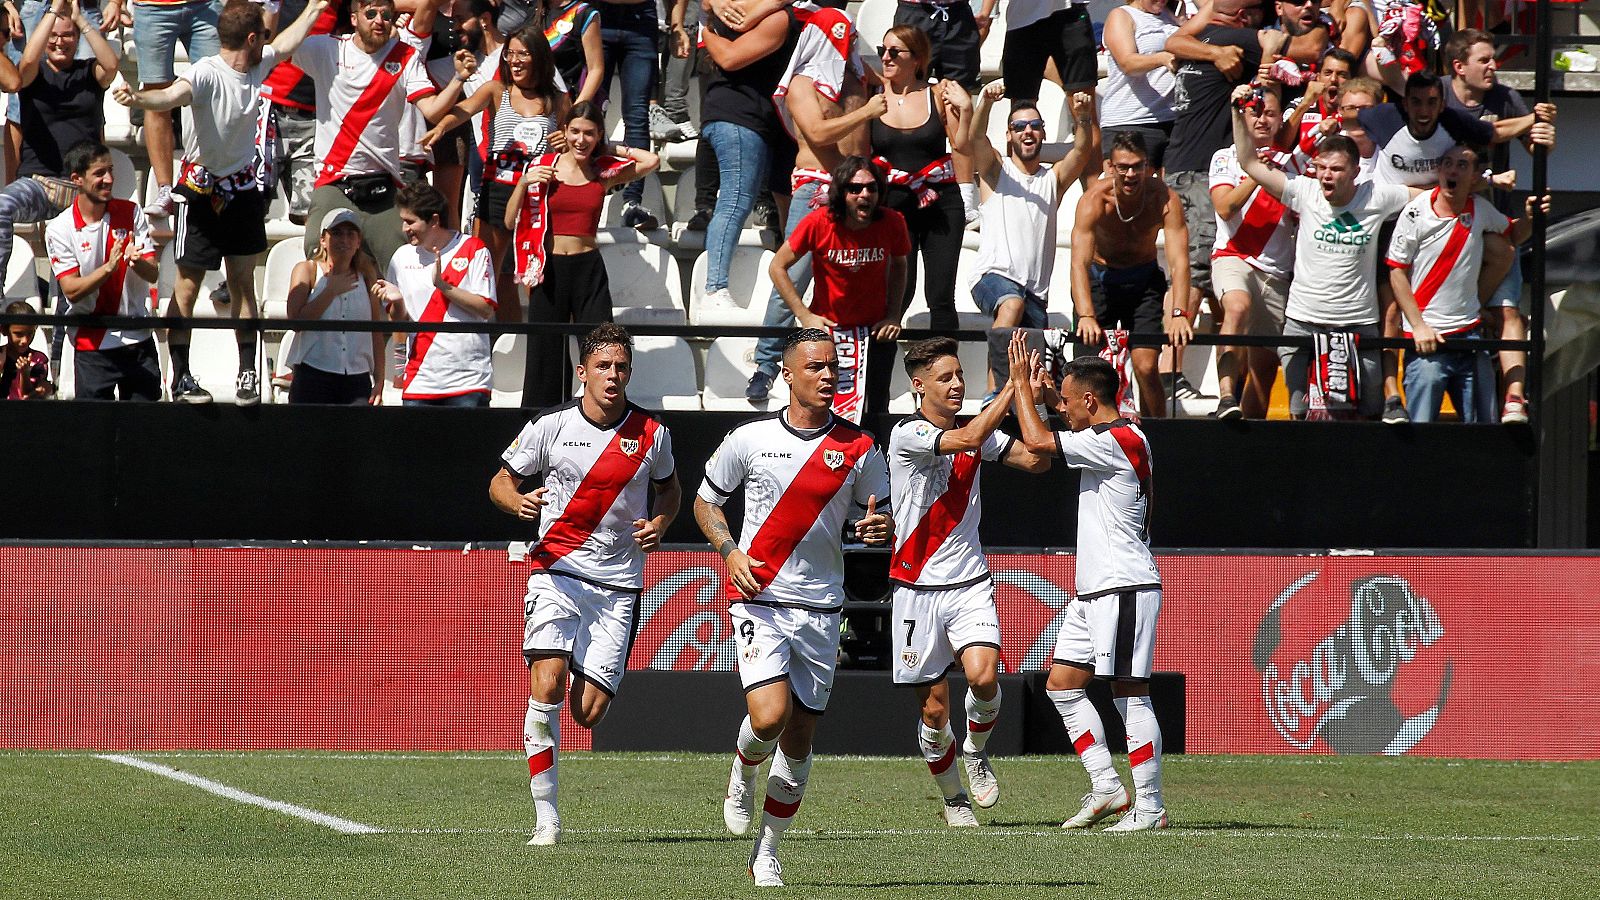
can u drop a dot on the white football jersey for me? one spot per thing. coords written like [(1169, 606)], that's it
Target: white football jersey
[(598, 480), (360, 101), (1262, 232), (77, 247), (1113, 507), (1442, 258), (441, 364), (799, 490), (937, 507)]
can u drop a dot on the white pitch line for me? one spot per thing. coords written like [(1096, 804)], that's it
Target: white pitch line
[(1010, 832), (343, 826)]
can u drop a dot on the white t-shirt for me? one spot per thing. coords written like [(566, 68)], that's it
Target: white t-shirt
[(937, 500), (1017, 227), (1336, 251), (598, 480), (445, 365), (1262, 232), (77, 247), (799, 490), (358, 122), (1113, 507), (1442, 257), (224, 110)]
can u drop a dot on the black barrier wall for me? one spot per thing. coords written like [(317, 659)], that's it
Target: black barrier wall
[(107, 471)]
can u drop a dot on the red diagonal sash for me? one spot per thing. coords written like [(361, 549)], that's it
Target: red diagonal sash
[(362, 111), (598, 491), (108, 300), (802, 503), (941, 519), (1448, 257), (438, 305)]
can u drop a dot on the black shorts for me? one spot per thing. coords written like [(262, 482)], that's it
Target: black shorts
[(1128, 298), (133, 372), (204, 236), (1066, 37), (493, 198), (952, 29), (1156, 136)]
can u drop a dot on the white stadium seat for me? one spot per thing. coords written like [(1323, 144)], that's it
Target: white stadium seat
[(645, 287), (663, 374), (729, 364), (281, 260), (509, 358), (125, 175), (21, 278), (748, 283)]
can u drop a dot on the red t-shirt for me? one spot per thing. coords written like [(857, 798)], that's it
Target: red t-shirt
[(850, 269)]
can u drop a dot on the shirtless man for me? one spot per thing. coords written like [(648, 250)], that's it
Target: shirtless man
[(824, 105), (1116, 282)]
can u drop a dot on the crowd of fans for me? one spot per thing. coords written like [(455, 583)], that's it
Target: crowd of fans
[(1332, 171)]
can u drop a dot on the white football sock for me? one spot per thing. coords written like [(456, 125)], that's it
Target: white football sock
[(786, 784), (939, 749), (981, 715), (751, 751), (1144, 748), (541, 740), (1088, 736)]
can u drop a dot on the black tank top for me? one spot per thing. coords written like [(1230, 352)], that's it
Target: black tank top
[(912, 149)]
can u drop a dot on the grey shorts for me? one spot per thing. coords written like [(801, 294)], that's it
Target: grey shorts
[(1194, 189)]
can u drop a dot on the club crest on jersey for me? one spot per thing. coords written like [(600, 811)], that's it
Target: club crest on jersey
[(1465, 219), (833, 458), (839, 31), (459, 264), (910, 657), (629, 446), (393, 68)]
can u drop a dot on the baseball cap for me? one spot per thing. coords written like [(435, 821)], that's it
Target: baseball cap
[(337, 217)]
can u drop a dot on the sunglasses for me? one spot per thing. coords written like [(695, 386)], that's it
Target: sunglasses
[(858, 187), (892, 52), (388, 15), (1021, 125), (1296, 2)]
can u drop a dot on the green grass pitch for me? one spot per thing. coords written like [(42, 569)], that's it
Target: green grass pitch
[(647, 825)]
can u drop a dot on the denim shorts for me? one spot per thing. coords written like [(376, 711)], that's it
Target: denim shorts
[(159, 28), (992, 287)]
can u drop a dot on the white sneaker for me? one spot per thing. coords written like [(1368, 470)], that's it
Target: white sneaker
[(721, 298), (163, 204), (1097, 806), (958, 813), (1141, 820), (980, 779), (739, 808), (661, 125), (766, 871), (546, 834)]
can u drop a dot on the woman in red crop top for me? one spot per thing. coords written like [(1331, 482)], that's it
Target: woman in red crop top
[(574, 286)]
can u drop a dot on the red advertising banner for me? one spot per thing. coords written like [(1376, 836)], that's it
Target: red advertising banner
[(379, 648)]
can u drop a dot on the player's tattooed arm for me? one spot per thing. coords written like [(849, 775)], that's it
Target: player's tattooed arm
[(714, 525)]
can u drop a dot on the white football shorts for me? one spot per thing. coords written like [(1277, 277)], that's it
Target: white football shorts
[(592, 625), (781, 642), (1115, 634), (931, 628)]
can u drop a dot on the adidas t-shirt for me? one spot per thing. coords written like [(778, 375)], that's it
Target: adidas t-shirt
[(1336, 251)]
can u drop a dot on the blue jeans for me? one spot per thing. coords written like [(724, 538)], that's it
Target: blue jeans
[(1463, 374), (631, 36), (158, 29), (742, 161), (991, 289), (32, 11), (769, 351), (460, 401)]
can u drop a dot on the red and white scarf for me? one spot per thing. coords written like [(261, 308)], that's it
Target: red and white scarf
[(921, 182), (799, 178), (531, 238), (850, 397), (1118, 353), (1333, 388)]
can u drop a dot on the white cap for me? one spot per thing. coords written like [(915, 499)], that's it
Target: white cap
[(337, 217)]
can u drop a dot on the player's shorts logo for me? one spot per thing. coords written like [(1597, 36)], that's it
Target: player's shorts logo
[(833, 458), (629, 446), (1336, 681), (910, 657)]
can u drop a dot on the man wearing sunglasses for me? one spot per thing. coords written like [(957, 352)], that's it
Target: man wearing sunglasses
[(363, 83)]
